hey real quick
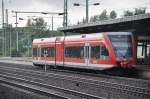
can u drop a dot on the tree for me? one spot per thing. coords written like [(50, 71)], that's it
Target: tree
[(83, 20), (139, 11), (136, 11), (29, 23), (103, 15), (39, 23), (94, 18), (128, 13), (113, 14)]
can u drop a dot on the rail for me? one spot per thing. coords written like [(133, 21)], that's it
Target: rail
[(104, 85)]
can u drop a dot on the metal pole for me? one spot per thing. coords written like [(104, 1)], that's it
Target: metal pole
[(3, 27), (5, 41), (146, 49), (10, 39), (2, 13), (45, 64), (6, 17), (45, 55), (66, 12), (52, 23), (87, 11), (16, 30), (16, 19), (28, 45), (65, 22), (5, 31)]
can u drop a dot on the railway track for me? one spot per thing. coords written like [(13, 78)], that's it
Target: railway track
[(10, 81), (88, 75), (90, 88), (37, 81), (45, 89)]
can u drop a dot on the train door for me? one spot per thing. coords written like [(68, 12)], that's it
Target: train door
[(87, 55), (39, 53)]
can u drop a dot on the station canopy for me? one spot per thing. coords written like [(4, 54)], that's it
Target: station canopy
[(137, 24)]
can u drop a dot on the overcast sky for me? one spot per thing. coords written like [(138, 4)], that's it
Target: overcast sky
[(75, 14)]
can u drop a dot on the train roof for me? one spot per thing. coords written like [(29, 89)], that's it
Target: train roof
[(44, 40), (82, 37), (93, 36)]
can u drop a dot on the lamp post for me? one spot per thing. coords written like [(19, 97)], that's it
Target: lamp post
[(2, 38), (16, 29), (16, 23), (2, 13), (3, 27), (87, 8), (65, 21), (10, 40), (53, 19), (52, 24), (87, 11)]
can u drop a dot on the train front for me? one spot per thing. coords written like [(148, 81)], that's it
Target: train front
[(124, 47)]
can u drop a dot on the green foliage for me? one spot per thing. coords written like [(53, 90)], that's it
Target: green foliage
[(103, 15), (128, 13), (139, 11), (34, 29), (15, 53), (39, 24), (94, 18), (136, 11), (83, 20), (29, 22), (113, 14)]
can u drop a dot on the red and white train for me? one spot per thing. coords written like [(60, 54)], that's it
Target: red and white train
[(98, 51)]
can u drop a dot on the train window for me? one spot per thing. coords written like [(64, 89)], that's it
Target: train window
[(51, 52), (34, 52), (122, 45), (95, 52), (99, 53), (42, 52), (104, 53), (39, 52), (74, 52)]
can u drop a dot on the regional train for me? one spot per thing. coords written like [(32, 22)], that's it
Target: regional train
[(98, 51)]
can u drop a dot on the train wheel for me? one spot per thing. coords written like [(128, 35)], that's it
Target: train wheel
[(35, 64), (38, 66), (55, 66)]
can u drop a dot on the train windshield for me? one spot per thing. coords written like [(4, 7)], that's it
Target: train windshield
[(122, 45)]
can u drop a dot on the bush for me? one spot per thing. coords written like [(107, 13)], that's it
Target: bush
[(15, 53)]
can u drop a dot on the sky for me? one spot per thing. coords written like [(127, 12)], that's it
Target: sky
[(75, 14)]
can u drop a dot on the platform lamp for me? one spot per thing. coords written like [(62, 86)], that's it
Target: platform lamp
[(87, 8), (53, 18)]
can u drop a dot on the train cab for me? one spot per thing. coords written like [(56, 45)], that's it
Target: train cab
[(124, 47)]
